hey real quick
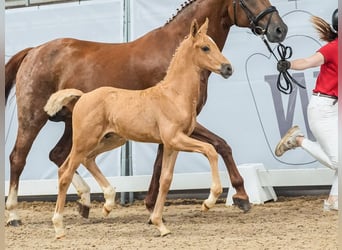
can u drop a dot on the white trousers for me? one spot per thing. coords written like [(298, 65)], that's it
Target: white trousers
[(323, 122)]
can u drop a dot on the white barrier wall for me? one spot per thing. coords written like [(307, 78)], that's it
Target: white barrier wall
[(246, 110)]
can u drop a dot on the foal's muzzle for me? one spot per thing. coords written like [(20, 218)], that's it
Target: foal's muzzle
[(226, 70)]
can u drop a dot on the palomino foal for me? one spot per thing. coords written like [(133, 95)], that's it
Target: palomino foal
[(107, 117)]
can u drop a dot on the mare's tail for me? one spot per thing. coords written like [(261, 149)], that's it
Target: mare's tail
[(62, 98), (11, 69)]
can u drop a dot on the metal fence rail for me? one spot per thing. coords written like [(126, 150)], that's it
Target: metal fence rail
[(27, 3)]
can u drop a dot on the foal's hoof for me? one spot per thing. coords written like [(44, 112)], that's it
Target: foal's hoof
[(150, 221), (165, 233), (205, 207), (83, 210), (60, 236), (244, 205), (14, 223), (106, 211)]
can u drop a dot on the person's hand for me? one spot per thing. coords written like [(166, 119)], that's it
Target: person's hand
[(283, 65)]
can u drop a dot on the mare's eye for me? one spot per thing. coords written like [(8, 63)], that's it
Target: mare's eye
[(205, 48)]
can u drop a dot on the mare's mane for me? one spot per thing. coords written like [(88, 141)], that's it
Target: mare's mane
[(183, 6)]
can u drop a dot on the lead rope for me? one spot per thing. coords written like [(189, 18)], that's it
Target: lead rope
[(286, 88)]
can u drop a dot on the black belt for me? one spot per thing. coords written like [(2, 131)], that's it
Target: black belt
[(324, 95)]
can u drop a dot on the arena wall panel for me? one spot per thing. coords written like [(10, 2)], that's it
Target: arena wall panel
[(244, 110)]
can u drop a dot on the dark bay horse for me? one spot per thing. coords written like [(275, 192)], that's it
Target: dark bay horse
[(69, 63), (164, 114)]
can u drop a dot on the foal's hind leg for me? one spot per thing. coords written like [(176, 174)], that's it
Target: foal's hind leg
[(108, 190), (58, 155), (65, 173), (240, 198), (29, 124), (108, 142)]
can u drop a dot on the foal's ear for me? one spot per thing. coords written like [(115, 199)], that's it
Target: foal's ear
[(194, 28), (204, 28)]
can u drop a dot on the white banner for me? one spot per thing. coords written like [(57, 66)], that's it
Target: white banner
[(245, 110), (100, 20)]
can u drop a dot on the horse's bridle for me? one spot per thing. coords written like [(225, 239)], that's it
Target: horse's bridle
[(282, 50), (254, 20)]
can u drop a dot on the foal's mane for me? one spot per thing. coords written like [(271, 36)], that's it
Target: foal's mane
[(183, 6), (174, 58)]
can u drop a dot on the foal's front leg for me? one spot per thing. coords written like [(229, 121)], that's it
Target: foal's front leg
[(240, 198), (201, 133), (185, 143), (169, 159), (151, 196)]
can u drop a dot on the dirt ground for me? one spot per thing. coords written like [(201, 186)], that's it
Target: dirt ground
[(289, 223)]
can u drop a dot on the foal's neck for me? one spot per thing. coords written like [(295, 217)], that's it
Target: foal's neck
[(183, 74)]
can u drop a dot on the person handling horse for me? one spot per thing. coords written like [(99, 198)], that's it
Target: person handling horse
[(322, 108)]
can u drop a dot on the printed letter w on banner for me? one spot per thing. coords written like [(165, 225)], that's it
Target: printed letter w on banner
[(285, 118)]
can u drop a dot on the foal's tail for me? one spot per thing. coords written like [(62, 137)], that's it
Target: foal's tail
[(62, 98), (11, 70)]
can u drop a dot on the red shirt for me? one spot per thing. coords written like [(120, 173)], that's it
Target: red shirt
[(327, 79)]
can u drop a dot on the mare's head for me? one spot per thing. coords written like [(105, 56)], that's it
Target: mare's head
[(206, 53), (260, 16)]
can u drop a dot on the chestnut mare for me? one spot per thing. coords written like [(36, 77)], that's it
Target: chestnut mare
[(107, 117), (68, 63)]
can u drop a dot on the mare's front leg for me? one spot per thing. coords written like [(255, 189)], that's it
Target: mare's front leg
[(240, 198), (58, 155), (169, 159)]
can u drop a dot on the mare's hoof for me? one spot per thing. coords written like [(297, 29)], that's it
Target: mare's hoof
[(14, 223), (83, 210), (244, 205)]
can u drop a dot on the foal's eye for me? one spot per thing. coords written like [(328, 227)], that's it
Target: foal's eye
[(205, 48)]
